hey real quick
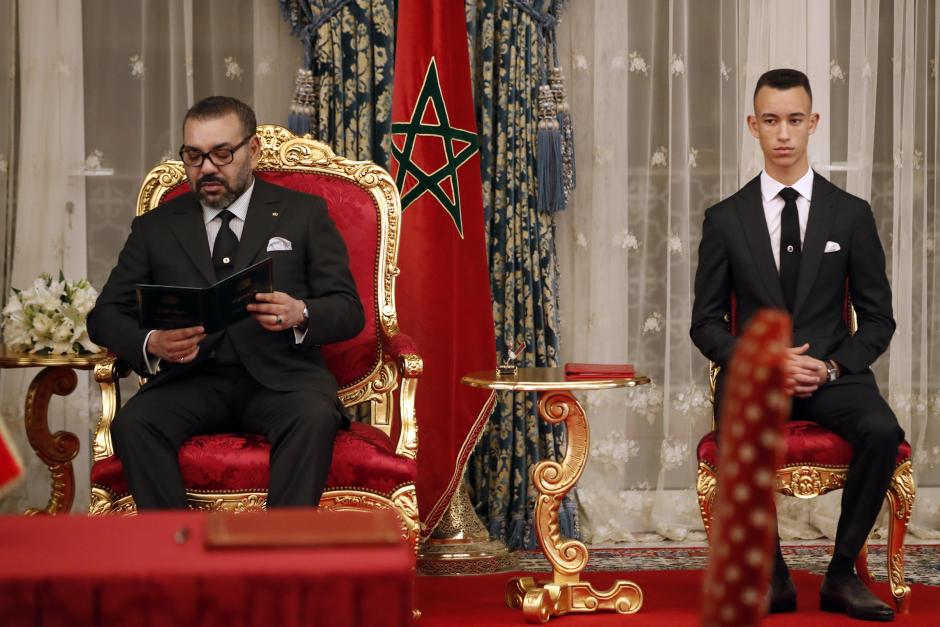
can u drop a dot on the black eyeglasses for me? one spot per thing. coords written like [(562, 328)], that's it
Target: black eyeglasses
[(219, 156)]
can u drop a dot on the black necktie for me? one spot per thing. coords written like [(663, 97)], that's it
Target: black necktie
[(790, 247), (226, 244)]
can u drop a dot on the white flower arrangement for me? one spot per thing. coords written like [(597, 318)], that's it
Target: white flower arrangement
[(49, 317)]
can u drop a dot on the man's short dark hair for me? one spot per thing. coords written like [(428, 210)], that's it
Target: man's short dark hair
[(219, 106), (784, 78)]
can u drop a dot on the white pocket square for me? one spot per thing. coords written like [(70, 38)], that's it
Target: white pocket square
[(831, 247), (279, 243)]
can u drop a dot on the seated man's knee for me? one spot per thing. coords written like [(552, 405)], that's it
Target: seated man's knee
[(882, 435), (130, 425)]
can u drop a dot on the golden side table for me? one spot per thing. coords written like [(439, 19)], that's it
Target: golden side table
[(565, 593), (56, 450)]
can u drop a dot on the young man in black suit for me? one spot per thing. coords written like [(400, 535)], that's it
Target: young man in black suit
[(264, 374), (790, 240)]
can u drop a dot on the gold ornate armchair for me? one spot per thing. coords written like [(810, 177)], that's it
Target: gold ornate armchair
[(816, 461), (377, 371)]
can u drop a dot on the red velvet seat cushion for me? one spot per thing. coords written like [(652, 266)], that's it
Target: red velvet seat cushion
[(363, 457), (807, 443)]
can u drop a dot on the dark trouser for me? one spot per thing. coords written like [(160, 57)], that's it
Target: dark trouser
[(149, 430), (857, 412)]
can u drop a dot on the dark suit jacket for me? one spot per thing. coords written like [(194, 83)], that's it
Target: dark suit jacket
[(735, 257), (168, 246)]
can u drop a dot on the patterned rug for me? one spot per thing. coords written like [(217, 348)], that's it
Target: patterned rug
[(921, 561)]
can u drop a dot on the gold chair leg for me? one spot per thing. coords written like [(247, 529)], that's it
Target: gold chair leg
[(901, 501), (706, 487)]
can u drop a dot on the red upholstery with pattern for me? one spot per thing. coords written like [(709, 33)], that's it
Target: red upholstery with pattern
[(807, 443), (363, 458)]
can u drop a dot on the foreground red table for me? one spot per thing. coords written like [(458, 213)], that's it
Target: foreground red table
[(154, 569)]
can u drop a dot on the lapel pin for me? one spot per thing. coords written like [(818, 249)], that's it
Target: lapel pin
[(275, 213)]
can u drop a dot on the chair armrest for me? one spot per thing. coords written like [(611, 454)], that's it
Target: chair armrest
[(108, 374), (404, 352)]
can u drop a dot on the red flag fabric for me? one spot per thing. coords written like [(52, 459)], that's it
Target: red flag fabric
[(443, 293), (11, 466)]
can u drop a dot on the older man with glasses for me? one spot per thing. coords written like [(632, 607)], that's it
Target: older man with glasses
[(264, 374)]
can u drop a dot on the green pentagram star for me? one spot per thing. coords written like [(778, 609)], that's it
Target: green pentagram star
[(430, 182)]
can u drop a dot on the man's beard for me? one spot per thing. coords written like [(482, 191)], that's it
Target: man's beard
[(229, 191)]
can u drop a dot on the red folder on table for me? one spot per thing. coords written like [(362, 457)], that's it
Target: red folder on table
[(575, 370)]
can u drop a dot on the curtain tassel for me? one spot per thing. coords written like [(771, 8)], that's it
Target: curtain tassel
[(302, 109), (548, 154), (569, 173)]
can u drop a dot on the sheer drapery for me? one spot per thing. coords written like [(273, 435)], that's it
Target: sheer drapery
[(659, 92), (145, 64), (103, 87), (49, 226)]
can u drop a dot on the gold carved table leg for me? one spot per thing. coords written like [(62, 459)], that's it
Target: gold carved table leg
[(56, 450), (565, 593)]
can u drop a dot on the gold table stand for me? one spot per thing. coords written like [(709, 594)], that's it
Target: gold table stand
[(565, 593), (56, 450)]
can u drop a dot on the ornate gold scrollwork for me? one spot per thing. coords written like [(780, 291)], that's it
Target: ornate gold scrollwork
[(902, 486), (707, 488), (404, 504), (159, 180), (553, 480), (539, 602), (901, 493), (108, 376), (100, 503), (412, 367), (807, 482)]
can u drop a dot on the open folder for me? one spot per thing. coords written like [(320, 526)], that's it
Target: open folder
[(214, 307)]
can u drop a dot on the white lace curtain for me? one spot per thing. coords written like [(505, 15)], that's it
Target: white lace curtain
[(659, 92), (101, 90)]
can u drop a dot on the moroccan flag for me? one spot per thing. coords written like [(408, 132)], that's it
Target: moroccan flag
[(11, 467), (443, 291)]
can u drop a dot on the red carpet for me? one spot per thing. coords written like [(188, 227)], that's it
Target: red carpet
[(669, 599)]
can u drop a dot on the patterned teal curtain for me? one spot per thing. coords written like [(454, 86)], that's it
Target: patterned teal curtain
[(345, 100), (509, 47), (350, 49)]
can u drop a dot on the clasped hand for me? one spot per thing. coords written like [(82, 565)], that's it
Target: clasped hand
[(804, 374), (274, 311)]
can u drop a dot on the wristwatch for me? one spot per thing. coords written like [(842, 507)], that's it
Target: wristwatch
[(832, 371), (306, 315)]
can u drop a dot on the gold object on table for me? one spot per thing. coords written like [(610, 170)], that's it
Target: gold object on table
[(565, 593), (56, 450)]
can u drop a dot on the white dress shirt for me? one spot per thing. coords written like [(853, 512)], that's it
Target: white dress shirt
[(239, 208), (773, 206)]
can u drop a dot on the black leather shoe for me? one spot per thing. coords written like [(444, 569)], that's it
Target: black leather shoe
[(782, 595), (848, 595)]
